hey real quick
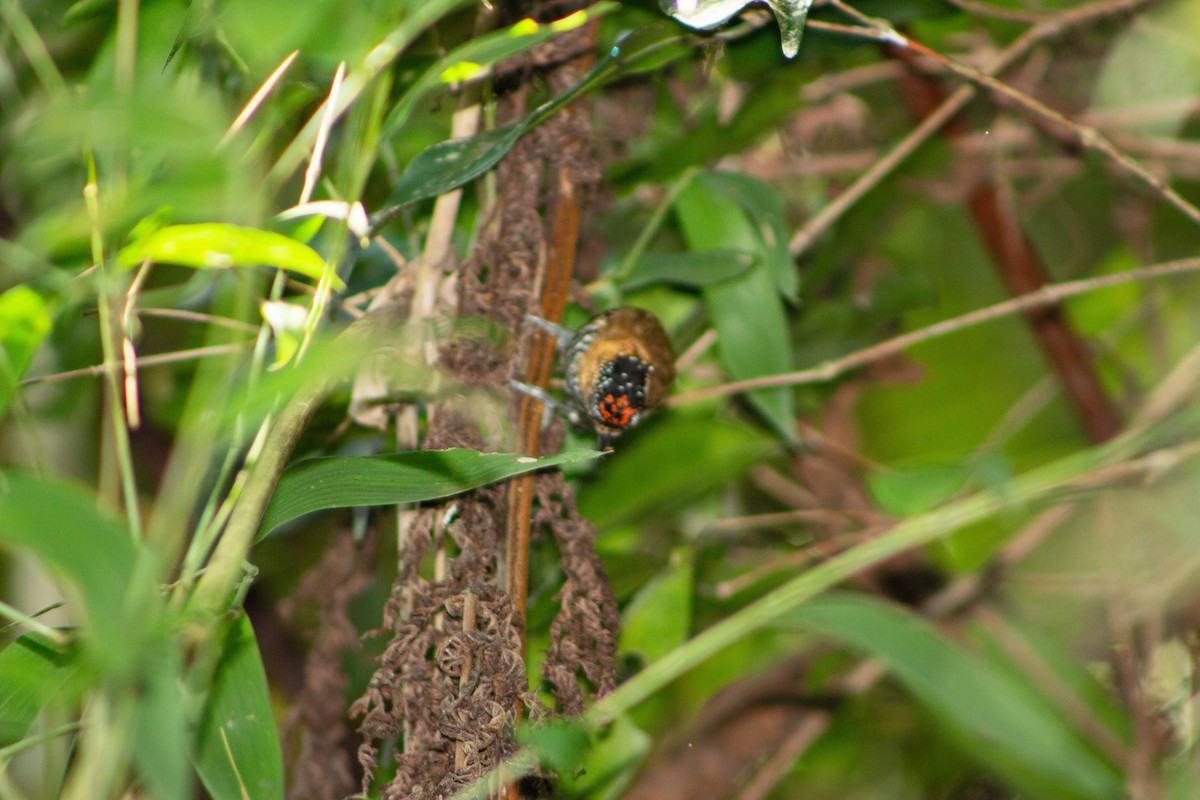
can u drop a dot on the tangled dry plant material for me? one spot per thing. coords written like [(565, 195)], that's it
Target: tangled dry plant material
[(451, 681)]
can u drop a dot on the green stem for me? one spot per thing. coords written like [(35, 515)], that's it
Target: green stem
[(654, 223), (110, 344), (223, 573), (6, 753), (21, 618), (1038, 486)]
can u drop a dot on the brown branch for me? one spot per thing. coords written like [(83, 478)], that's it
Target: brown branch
[(560, 260), (554, 284), (1048, 295), (1021, 269), (1059, 124), (812, 230)]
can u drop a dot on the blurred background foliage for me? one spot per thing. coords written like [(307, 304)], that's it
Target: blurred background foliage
[(961, 567)]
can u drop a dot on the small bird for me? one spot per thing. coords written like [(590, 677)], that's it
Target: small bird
[(616, 368)]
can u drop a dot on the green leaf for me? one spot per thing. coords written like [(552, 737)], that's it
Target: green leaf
[(345, 481), (1154, 64), (752, 340), (238, 754), (24, 323), (639, 479), (216, 245), (747, 312), (659, 617), (1003, 723), (33, 670), (610, 763), (466, 62), (687, 269), (914, 491), (60, 523), (763, 204), (560, 744), (447, 165), (161, 739)]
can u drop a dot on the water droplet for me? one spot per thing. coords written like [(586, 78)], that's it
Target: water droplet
[(705, 14)]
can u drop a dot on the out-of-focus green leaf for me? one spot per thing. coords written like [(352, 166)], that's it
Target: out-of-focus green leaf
[(447, 165), (287, 328), (610, 763), (60, 524), (639, 479), (650, 47), (217, 245), (346, 481), (560, 744), (915, 491), (764, 206), (1154, 64), (467, 62), (1094, 313), (161, 737), (24, 323), (687, 269), (1053, 654), (747, 312), (237, 753), (1001, 722), (660, 616), (752, 340), (33, 670)]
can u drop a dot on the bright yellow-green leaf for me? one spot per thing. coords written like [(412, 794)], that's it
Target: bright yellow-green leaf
[(524, 28), (569, 22), (462, 71), (214, 245), (24, 323)]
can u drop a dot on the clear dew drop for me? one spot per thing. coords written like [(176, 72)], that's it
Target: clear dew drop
[(705, 14)]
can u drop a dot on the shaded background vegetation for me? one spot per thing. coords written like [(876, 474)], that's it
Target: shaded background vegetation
[(950, 553)]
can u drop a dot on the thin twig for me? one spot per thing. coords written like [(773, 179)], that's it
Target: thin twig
[(259, 98), (29, 621), (1050, 294), (1083, 135), (142, 362), (196, 316), (696, 349), (823, 220), (980, 9), (318, 151)]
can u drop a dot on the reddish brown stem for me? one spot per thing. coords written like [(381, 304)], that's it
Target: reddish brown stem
[(1021, 269)]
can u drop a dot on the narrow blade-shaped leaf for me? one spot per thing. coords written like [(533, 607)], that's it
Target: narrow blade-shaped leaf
[(484, 50), (24, 323), (238, 755), (687, 269), (161, 734), (60, 524), (447, 165), (216, 245), (747, 311), (33, 670), (345, 481), (1002, 722), (765, 207)]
